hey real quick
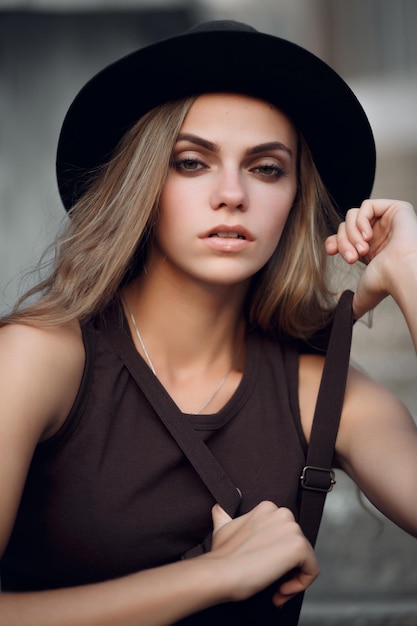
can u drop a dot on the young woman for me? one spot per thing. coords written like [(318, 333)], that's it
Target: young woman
[(205, 177)]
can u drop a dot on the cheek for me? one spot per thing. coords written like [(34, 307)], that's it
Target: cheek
[(274, 237), (273, 225), (276, 218), (175, 223), (168, 209), (176, 203), (166, 230)]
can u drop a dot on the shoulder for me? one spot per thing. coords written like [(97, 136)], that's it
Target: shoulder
[(40, 371), (363, 394), (370, 411)]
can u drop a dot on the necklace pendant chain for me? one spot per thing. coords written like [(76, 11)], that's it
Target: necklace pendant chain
[(139, 336), (151, 365)]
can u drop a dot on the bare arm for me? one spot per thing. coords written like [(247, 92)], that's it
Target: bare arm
[(377, 439), (377, 447), (40, 371), (376, 443), (253, 551)]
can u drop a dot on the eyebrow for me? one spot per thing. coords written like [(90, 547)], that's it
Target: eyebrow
[(213, 147), (199, 141), (268, 147)]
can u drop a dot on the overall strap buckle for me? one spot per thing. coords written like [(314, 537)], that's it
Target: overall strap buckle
[(315, 478)]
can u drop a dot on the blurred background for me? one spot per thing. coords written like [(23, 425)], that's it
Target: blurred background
[(49, 48)]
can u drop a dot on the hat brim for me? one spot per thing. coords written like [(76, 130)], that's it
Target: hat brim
[(317, 100)]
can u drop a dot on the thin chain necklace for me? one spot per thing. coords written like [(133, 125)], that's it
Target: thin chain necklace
[(148, 358)]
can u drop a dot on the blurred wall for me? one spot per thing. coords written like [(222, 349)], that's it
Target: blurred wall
[(45, 57), (48, 48)]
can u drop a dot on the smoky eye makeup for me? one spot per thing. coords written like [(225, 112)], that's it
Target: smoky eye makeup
[(269, 170), (187, 164)]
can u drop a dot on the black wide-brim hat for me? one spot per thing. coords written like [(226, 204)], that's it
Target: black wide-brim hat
[(222, 56)]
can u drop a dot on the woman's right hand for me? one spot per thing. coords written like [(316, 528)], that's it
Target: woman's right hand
[(259, 548)]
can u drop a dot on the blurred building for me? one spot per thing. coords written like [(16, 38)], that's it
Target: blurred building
[(49, 48)]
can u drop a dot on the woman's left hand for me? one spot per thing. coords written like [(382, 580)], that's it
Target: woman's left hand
[(383, 235)]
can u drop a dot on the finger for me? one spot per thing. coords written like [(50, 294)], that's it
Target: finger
[(358, 230), (298, 583), (280, 598), (374, 209), (341, 244), (366, 217), (331, 245), (303, 577), (220, 517)]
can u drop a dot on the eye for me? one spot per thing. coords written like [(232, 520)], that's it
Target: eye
[(188, 165), (271, 171)]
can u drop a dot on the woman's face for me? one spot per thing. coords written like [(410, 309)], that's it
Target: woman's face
[(230, 187)]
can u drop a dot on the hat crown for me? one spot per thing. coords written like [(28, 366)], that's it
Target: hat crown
[(220, 25), (223, 56)]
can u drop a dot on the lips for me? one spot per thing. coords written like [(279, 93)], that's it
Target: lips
[(229, 232), (228, 235)]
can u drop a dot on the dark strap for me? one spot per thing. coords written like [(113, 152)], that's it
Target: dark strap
[(206, 465), (317, 474), (318, 477)]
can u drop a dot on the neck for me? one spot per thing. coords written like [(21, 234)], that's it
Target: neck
[(186, 324), (194, 336)]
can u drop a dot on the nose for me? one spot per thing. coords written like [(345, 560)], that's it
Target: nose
[(229, 191)]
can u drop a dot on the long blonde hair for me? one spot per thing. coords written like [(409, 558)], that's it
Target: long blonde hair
[(110, 225), (291, 295), (105, 241)]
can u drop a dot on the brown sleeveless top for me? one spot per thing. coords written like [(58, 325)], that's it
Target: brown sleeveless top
[(111, 493)]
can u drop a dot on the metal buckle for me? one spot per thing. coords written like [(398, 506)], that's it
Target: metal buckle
[(313, 468)]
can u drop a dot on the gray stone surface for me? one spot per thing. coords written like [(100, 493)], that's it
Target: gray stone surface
[(378, 612)]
